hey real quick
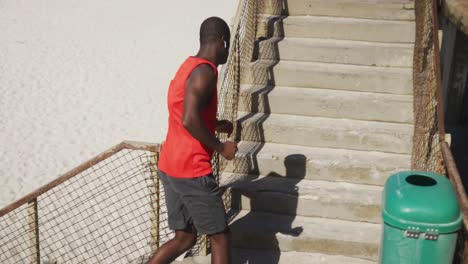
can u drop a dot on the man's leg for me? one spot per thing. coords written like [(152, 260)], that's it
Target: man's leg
[(220, 248), (178, 220), (183, 241), (202, 198)]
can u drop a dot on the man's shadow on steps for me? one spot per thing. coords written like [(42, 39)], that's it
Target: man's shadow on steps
[(266, 197)]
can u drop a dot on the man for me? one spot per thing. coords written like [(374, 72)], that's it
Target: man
[(193, 197)]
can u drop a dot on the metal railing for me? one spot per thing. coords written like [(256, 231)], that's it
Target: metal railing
[(449, 161)]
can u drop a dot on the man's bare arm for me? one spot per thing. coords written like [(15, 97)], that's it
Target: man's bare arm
[(198, 91)]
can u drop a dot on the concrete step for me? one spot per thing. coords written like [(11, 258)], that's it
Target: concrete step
[(326, 103), (250, 256), (282, 195), (257, 230), (375, 9), (337, 28), (337, 51), (267, 256), (300, 162), (326, 132), (331, 76)]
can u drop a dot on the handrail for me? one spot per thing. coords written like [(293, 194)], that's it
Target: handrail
[(449, 162), (454, 176), (72, 173)]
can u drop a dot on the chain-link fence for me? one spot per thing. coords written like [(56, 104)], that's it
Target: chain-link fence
[(240, 55), (256, 21), (426, 148), (245, 84), (109, 210)]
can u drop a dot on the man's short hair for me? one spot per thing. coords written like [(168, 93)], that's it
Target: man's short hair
[(213, 28)]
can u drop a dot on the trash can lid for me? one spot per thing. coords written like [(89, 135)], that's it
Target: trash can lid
[(421, 201)]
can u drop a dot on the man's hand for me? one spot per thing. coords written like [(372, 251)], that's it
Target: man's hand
[(224, 126), (229, 150)]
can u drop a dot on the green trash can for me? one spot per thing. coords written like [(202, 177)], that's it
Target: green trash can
[(421, 218)]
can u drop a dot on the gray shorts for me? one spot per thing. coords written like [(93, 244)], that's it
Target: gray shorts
[(194, 201)]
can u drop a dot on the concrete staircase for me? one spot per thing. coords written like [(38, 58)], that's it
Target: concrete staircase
[(326, 115)]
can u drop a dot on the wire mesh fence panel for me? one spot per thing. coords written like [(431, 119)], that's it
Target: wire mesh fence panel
[(426, 153), (15, 243), (100, 216), (165, 234), (240, 55), (259, 21), (107, 213)]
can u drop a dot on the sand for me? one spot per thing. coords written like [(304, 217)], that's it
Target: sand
[(77, 77)]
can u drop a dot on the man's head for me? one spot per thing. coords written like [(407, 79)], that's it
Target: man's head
[(214, 33)]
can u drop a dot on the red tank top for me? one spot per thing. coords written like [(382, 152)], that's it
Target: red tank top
[(182, 155)]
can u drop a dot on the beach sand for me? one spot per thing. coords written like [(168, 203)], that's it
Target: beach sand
[(77, 77)]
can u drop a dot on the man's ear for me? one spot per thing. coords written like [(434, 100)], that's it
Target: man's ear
[(224, 41)]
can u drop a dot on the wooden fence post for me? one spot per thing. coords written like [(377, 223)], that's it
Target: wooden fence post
[(155, 204), (33, 223)]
